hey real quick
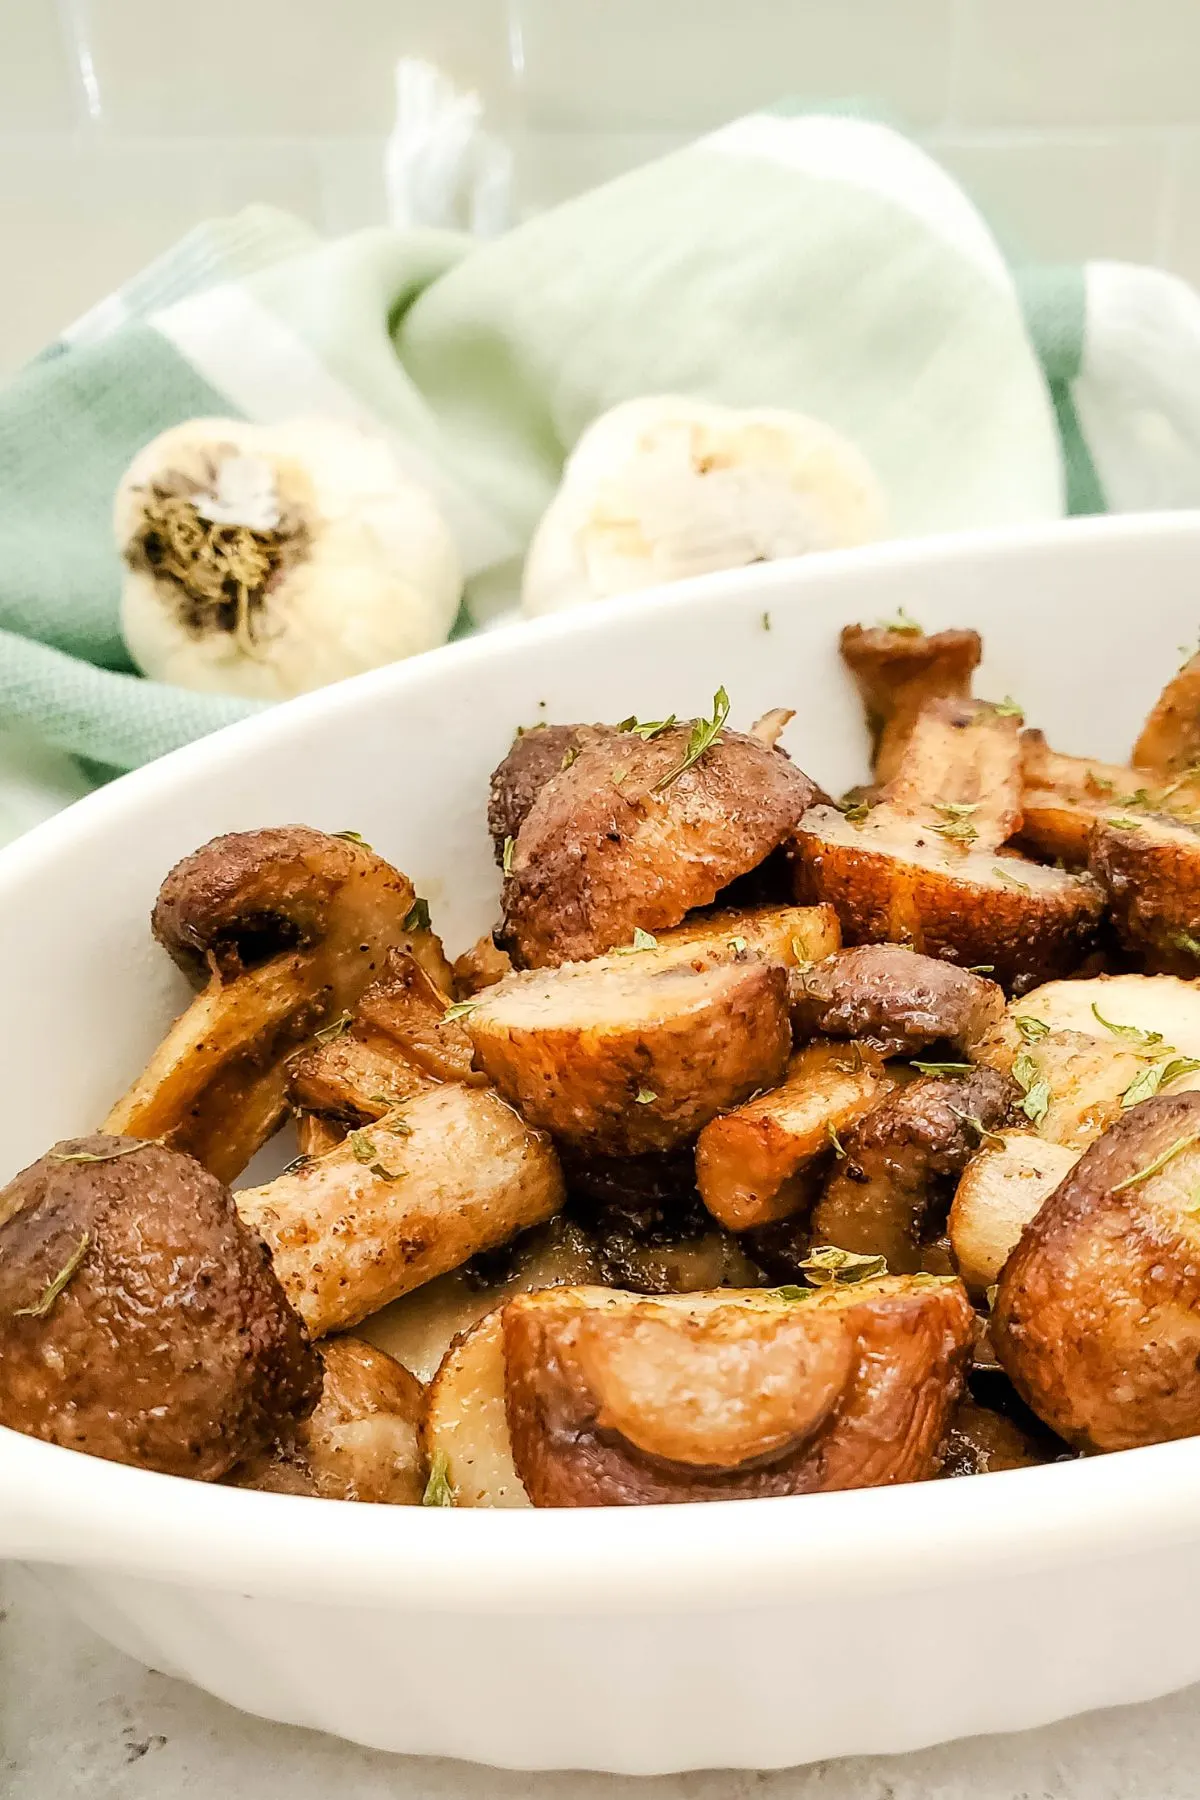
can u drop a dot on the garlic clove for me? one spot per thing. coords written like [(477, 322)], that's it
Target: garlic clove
[(266, 560), (665, 487)]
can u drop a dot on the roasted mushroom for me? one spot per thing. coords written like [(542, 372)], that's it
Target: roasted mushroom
[(899, 669), (1097, 1316), (1169, 744), (923, 867), (628, 1054), (482, 966), (536, 754), (361, 1443), (894, 1000), (983, 1441), (139, 1319), (289, 925), (1149, 867), (619, 1401), (465, 1428), (791, 936), (891, 1187), (1001, 1190), (1063, 796), (756, 1164), (639, 830), (452, 1172)]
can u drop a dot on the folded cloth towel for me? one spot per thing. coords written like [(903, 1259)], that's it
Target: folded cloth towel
[(815, 262)]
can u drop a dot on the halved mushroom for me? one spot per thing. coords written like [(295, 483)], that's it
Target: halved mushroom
[(923, 867), (897, 671), (788, 935), (465, 1428), (1063, 796), (628, 1054), (290, 925), (361, 1443), (1097, 1315), (1149, 866), (892, 1185), (617, 1401), (1169, 744), (757, 1164), (452, 1172), (394, 1043), (139, 1319), (1001, 1190), (895, 1000), (482, 966), (638, 831)]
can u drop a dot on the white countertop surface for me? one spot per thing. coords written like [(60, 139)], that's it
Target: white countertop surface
[(79, 1721)]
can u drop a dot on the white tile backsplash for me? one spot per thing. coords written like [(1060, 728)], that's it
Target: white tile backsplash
[(1076, 123)]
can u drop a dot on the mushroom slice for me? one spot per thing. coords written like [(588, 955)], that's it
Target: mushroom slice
[(619, 1401), (890, 1189), (293, 924), (465, 1428), (453, 1172), (894, 1000), (789, 935), (1149, 866), (755, 1165), (395, 1042), (638, 831), (1000, 1192), (1063, 796), (923, 868), (628, 1054), (1169, 745), (361, 1443), (1086, 1051), (139, 1319), (482, 966), (897, 672), (1097, 1315)]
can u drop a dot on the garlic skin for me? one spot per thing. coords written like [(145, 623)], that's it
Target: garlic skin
[(266, 560), (664, 487)]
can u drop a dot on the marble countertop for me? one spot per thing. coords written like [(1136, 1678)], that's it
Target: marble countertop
[(79, 1721)]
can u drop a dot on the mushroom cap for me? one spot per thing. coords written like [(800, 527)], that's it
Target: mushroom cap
[(139, 1319)]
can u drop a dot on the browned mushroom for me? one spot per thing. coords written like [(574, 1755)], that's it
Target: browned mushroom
[(1169, 744), (450, 1173), (291, 924), (1063, 796), (639, 830), (628, 1054), (897, 671), (482, 966), (924, 868), (1097, 1315), (362, 1441), (757, 1164), (619, 1401), (536, 754), (139, 1319), (891, 998), (1001, 1190), (891, 1189), (1149, 866)]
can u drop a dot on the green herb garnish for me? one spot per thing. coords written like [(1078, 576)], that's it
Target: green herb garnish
[(985, 1135), (439, 1489), (737, 945), (902, 624), (570, 755), (827, 1266), (1012, 880), (981, 968), (41, 1307), (1120, 824), (853, 811), (99, 1156), (1159, 1075), (1008, 708), (705, 735), (1030, 1028), (1146, 1040), (353, 837), (458, 1011), (957, 826), (334, 1029), (943, 1068), (648, 731), (642, 940), (506, 860), (1160, 1162), (788, 1295), (766, 621), (645, 1096), (417, 916), (1033, 1085), (839, 1149)]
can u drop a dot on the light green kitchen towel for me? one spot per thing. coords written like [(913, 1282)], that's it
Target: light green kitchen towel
[(815, 262)]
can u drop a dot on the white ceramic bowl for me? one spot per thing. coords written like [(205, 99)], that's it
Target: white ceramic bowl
[(751, 1634)]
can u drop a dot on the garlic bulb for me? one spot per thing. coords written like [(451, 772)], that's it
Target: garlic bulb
[(664, 487), (264, 560)]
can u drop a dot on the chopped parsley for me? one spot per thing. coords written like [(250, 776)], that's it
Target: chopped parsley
[(705, 735)]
